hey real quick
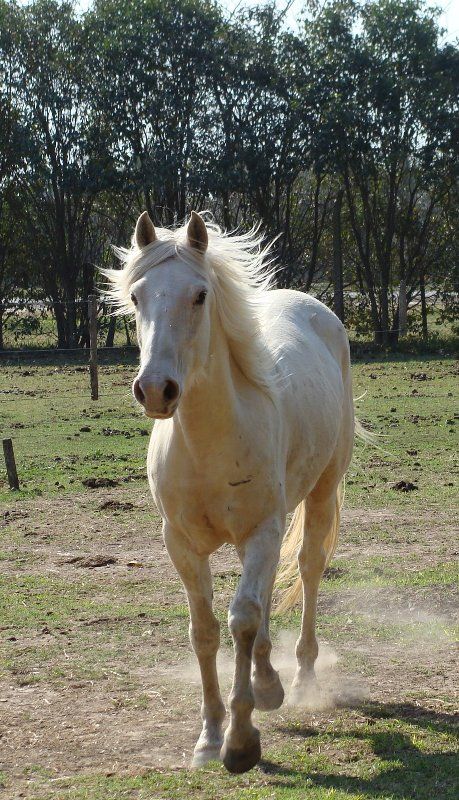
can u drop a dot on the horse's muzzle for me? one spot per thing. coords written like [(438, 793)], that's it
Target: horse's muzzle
[(159, 399)]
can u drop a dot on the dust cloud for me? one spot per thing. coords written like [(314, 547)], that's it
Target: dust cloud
[(332, 688), (383, 625)]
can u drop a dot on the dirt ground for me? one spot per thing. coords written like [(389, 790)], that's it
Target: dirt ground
[(139, 709)]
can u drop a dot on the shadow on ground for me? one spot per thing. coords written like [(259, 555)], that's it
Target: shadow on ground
[(406, 771)]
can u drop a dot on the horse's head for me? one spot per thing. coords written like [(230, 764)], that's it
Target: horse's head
[(172, 316)]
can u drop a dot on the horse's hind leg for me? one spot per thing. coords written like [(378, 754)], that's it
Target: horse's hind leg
[(319, 520), (205, 638)]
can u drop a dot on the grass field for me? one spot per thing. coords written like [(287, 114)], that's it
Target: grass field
[(99, 694)]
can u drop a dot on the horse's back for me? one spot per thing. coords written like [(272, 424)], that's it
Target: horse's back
[(294, 321), (310, 346)]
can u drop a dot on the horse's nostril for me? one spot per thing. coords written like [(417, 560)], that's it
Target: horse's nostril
[(138, 393), (171, 391)]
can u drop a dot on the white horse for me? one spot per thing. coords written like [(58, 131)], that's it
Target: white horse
[(251, 392)]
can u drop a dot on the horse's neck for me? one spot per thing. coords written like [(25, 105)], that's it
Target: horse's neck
[(208, 408)]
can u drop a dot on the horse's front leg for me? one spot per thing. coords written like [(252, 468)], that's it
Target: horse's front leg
[(205, 639), (260, 555), (266, 684)]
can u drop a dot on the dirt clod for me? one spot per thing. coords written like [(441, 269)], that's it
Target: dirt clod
[(115, 505), (404, 486), (90, 562), (334, 572), (420, 376), (99, 483)]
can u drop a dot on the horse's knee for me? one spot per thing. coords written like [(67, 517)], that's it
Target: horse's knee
[(244, 618), (205, 638)]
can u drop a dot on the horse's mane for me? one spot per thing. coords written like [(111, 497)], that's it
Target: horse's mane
[(240, 270)]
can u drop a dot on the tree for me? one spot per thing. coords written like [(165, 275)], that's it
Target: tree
[(13, 151), (389, 135), (332, 138), (63, 173), (149, 62)]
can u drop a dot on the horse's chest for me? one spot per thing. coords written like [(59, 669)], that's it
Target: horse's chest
[(227, 514), (217, 500)]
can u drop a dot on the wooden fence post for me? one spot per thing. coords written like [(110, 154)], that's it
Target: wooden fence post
[(93, 368), (10, 464)]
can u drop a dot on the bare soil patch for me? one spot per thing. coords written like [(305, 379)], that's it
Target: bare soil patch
[(140, 708)]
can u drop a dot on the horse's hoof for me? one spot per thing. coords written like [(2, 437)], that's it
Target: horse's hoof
[(270, 697), (238, 761), (203, 755), (307, 694)]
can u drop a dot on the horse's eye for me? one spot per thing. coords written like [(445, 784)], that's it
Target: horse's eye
[(134, 299), (200, 299)]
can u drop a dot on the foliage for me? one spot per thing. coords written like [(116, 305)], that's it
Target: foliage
[(177, 105)]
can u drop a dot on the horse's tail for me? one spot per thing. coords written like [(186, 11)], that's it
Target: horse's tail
[(364, 434), (291, 592)]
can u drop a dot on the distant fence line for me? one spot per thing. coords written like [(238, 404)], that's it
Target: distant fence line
[(38, 324), (28, 321)]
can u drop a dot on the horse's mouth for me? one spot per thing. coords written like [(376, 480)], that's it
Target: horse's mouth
[(161, 415)]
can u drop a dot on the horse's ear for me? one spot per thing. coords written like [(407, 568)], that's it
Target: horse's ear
[(197, 233), (144, 230)]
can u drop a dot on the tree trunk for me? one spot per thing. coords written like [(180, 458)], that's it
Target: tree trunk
[(394, 333), (110, 340), (226, 210), (338, 294), (60, 324), (384, 303), (71, 323), (402, 308), (87, 289), (422, 286), (128, 336), (70, 309)]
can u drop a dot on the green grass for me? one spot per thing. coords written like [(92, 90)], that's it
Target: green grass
[(44, 407), (380, 571), (68, 612), (391, 753), (418, 425), (28, 601), (106, 628)]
